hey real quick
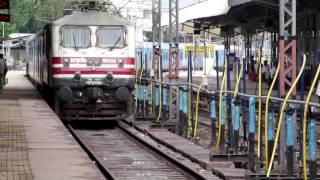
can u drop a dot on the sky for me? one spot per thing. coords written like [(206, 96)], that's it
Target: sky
[(187, 8), (165, 3)]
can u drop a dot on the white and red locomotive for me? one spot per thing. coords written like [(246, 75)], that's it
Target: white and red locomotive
[(85, 63)]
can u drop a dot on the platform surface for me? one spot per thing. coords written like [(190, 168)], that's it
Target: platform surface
[(34, 144)]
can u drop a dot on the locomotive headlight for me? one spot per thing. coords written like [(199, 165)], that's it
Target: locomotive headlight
[(109, 77), (66, 62), (77, 76), (120, 65)]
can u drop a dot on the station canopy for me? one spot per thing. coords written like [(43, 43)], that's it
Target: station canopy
[(250, 15), (202, 9)]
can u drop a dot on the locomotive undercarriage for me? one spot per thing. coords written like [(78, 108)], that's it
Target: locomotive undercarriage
[(92, 103)]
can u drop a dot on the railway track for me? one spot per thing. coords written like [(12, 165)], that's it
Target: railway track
[(121, 153)]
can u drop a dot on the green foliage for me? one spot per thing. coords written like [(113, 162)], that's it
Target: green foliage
[(29, 16), (21, 11), (9, 29), (46, 11)]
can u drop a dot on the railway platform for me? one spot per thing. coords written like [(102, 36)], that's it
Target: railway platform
[(34, 144)]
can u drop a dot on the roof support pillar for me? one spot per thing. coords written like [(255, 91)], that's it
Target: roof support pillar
[(156, 71), (287, 57), (287, 44), (173, 58), (229, 107), (174, 39)]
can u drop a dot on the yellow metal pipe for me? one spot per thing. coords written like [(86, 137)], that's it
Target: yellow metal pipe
[(266, 117), (238, 82), (281, 115), (197, 109), (259, 111), (304, 138), (160, 92), (220, 101)]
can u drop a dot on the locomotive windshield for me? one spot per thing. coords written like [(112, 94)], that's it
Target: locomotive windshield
[(110, 37), (76, 37)]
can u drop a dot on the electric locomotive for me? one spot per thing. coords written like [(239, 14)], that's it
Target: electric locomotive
[(85, 62)]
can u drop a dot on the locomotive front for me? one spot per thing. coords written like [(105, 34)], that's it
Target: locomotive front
[(92, 66)]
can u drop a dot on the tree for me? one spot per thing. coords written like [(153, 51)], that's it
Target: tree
[(30, 16), (46, 11)]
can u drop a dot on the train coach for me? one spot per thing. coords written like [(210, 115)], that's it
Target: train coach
[(85, 64), (213, 52)]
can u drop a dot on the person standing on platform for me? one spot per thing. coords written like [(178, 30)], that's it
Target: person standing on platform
[(3, 72), (256, 67), (252, 70), (235, 68), (272, 74), (266, 71)]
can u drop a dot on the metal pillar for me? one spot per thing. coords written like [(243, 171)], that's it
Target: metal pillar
[(156, 37), (205, 55), (173, 58), (156, 22), (287, 57), (246, 63), (196, 40), (174, 39), (190, 107), (289, 126), (156, 69), (217, 69), (287, 44), (229, 108), (274, 48)]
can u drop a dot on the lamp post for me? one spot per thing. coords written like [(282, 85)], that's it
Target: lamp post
[(3, 38)]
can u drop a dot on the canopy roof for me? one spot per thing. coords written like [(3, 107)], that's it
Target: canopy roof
[(254, 15)]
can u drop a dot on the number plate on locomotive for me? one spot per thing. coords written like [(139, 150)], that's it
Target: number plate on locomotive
[(93, 62), (94, 83)]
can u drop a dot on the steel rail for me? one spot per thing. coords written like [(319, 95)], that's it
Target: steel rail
[(164, 155), (149, 147), (104, 170)]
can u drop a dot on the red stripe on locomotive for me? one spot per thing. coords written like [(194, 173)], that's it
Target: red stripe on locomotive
[(108, 60), (65, 70), (57, 60)]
